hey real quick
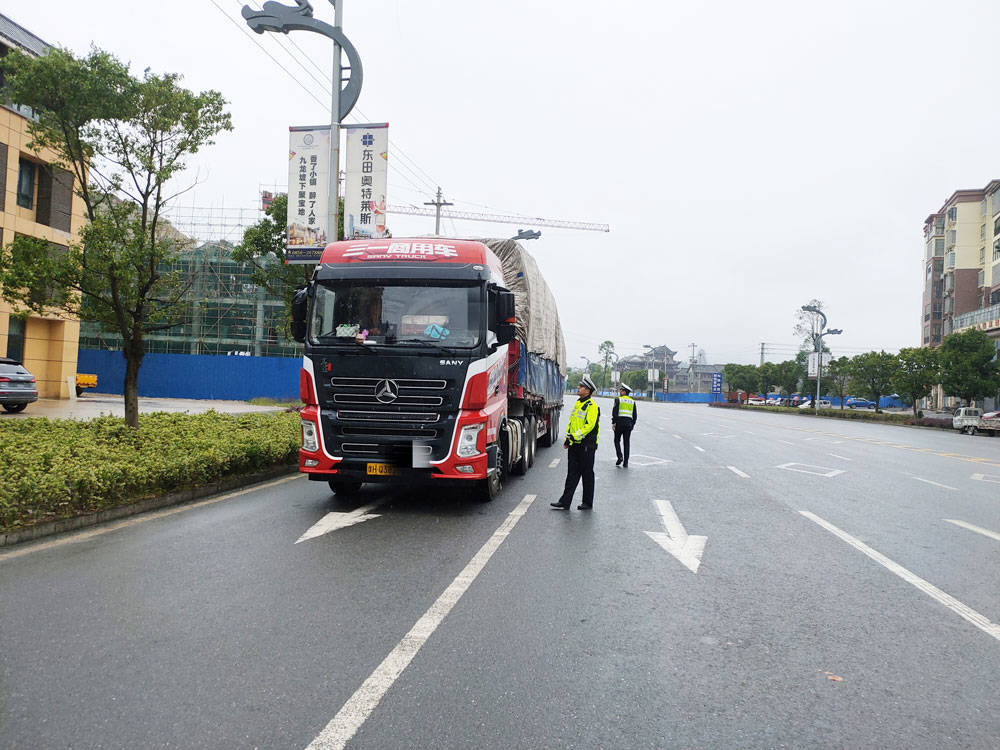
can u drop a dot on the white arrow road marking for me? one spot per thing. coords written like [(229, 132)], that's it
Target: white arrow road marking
[(936, 484), (687, 549), (650, 460), (977, 529), (986, 478), (932, 591), (366, 698), (333, 521), (807, 469), (737, 472)]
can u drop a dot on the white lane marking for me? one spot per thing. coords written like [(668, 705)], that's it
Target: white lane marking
[(786, 442), (554, 464), (687, 549), (737, 472), (932, 591), (699, 448), (333, 521), (366, 698), (678, 437), (842, 458), (825, 470), (973, 527), (986, 478), (936, 484), (142, 518)]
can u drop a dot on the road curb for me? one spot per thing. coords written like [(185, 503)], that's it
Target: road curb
[(51, 528)]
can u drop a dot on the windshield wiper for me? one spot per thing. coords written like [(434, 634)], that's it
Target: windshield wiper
[(429, 344), (340, 341)]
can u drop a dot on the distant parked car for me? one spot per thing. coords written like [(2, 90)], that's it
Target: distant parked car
[(17, 386), (823, 404), (755, 401), (859, 403)]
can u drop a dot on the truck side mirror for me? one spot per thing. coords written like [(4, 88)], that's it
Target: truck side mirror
[(501, 317), (505, 333), (300, 304)]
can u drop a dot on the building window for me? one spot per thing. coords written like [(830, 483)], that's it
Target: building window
[(982, 255), (25, 184), (15, 339)]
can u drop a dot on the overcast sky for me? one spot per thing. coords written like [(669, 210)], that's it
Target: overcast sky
[(749, 157)]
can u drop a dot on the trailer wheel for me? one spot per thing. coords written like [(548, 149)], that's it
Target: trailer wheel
[(550, 437), (345, 487)]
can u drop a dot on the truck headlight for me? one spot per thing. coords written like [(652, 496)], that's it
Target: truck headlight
[(467, 440), (310, 442)]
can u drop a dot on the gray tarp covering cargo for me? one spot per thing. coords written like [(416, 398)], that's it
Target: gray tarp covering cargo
[(537, 317)]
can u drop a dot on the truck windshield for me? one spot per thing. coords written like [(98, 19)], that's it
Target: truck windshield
[(406, 315)]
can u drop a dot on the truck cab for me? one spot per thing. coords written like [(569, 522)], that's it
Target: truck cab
[(405, 371)]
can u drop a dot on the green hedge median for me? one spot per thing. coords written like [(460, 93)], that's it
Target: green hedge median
[(863, 415), (53, 469)]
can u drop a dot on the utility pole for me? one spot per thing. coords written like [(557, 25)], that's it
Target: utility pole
[(691, 369), (438, 203), (333, 207), (761, 353)]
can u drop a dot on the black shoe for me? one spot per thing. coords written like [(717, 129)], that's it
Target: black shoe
[(560, 506), (625, 465), (584, 507), (618, 462)]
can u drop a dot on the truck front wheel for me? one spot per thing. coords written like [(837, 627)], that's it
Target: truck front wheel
[(345, 487)]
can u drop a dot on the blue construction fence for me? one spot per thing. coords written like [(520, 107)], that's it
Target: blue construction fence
[(201, 376), (675, 398)]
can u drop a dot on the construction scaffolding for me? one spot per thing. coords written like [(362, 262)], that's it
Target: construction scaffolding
[(223, 312)]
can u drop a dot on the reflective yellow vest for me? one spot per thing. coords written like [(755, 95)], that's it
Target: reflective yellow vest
[(626, 406), (583, 422)]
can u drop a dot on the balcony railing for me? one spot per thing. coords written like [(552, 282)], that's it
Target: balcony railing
[(974, 317)]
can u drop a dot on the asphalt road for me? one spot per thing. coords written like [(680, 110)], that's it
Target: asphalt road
[(845, 594)]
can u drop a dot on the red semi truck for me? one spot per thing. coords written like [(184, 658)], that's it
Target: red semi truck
[(427, 359)]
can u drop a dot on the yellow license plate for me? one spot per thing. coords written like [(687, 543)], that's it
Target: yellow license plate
[(381, 470)]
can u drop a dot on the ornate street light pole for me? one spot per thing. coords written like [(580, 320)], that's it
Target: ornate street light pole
[(817, 337), (274, 16)]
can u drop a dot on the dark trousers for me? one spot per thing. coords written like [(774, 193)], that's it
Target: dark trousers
[(581, 466), (622, 434)]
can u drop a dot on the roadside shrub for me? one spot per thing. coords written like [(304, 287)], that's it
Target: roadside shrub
[(53, 469)]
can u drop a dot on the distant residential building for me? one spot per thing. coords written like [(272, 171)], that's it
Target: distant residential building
[(962, 265), (37, 200)]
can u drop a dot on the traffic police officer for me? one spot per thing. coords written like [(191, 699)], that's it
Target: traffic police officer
[(581, 444), (624, 415)]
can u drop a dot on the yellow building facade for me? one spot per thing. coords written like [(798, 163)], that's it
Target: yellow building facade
[(37, 200)]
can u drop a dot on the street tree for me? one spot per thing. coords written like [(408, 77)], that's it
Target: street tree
[(263, 247), (787, 375), (635, 379), (122, 140), (969, 368), (919, 371), (741, 377), (766, 377), (838, 377), (606, 351), (872, 374)]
